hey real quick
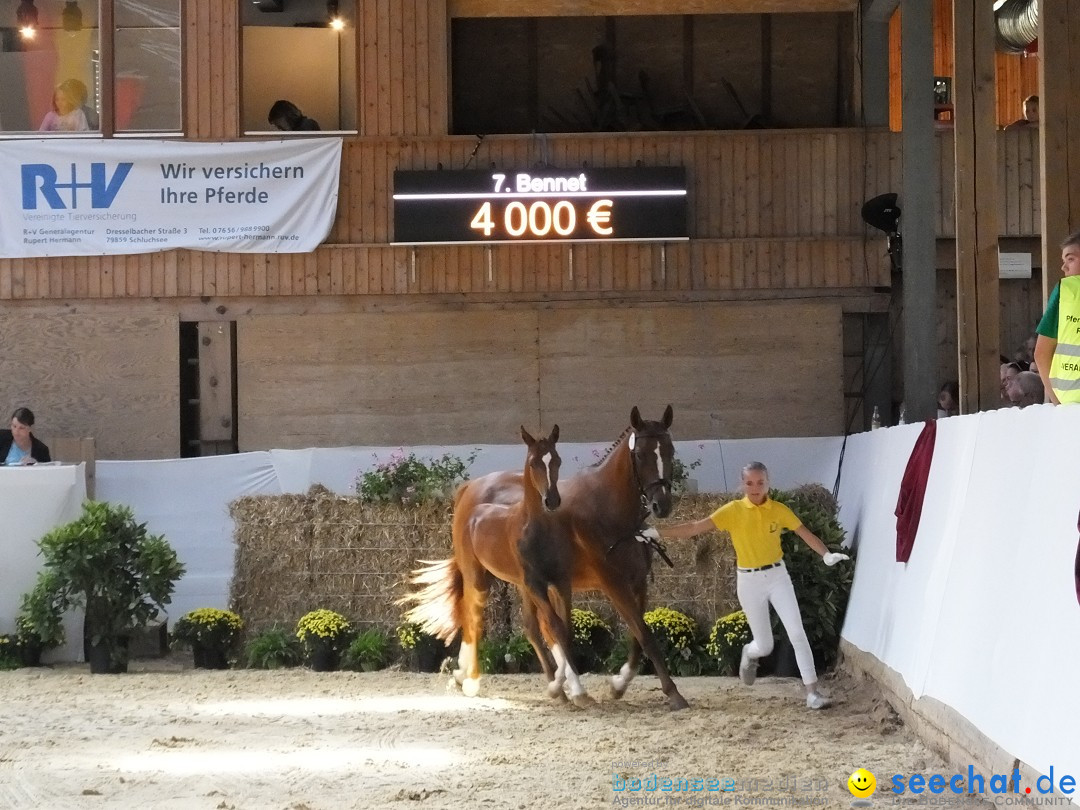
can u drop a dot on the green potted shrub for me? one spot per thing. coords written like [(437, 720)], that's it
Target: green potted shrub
[(491, 655), (369, 651), (113, 568), (519, 655), (9, 655), (324, 635), (39, 623), (676, 633), (726, 641), (421, 652), (211, 633), (591, 640), (272, 649)]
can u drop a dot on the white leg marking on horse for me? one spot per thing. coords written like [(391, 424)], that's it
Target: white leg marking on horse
[(622, 680), (576, 688), (555, 687), (470, 687), (464, 659)]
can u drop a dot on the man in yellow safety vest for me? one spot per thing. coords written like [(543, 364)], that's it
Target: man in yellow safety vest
[(1057, 348)]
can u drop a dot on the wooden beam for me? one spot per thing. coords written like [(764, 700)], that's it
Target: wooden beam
[(1059, 129), (917, 203), (879, 10), (611, 8), (975, 145)]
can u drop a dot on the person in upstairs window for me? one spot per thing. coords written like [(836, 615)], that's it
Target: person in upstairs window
[(286, 116)]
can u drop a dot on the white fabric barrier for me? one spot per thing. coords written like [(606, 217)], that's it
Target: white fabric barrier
[(984, 615), (34, 500), (187, 500)]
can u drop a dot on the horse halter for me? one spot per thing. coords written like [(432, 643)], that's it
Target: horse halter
[(643, 489)]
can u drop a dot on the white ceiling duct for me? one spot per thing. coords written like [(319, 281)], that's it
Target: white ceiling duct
[(1017, 24)]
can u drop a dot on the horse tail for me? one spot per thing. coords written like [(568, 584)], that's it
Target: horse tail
[(436, 602)]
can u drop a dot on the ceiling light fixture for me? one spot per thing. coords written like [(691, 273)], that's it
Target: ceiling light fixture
[(27, 17), (335, 22), (72, 16)]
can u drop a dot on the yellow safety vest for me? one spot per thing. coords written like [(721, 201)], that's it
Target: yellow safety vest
[(1065, 369)]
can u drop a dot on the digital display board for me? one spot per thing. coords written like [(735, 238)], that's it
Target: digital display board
[(540, 205)]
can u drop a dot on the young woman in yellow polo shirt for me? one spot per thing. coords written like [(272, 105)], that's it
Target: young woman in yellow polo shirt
[(754, 523)]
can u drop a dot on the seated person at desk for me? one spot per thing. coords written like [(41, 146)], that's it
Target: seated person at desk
[(286, 116), (18, 446)]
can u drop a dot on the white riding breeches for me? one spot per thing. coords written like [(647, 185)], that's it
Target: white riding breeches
[(756, 590)]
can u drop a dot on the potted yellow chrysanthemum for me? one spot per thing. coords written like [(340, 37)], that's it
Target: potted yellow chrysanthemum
[(211, 634), (324, 635)]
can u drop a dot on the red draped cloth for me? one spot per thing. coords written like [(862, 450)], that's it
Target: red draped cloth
[(913, 490)]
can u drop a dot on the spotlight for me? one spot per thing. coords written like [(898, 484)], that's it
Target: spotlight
[(335, 20), (27, 17), (883, 213), (71, 16)]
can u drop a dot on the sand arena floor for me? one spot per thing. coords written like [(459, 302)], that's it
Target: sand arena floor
[(172, 737)]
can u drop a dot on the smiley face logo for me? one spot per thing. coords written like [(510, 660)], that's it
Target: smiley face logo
[(862, 784)]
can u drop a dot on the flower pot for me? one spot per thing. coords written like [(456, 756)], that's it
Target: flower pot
[(323, 658), (30, 652), (108, 656), (209, 657)]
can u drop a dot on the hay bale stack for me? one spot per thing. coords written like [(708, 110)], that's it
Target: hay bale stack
[(296, 553)]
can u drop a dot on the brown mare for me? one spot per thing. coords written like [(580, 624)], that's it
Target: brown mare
[(520, 542), (603, 508)]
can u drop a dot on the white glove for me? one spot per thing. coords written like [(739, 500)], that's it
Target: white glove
[(832, 558), (649, 534)]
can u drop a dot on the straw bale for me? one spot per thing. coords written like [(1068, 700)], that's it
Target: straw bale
[(296, 553)]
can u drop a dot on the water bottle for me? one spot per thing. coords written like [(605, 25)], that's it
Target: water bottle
[(875, 420)]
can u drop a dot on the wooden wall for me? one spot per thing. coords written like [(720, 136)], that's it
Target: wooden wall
[(1016, 76), (415, 378), (211, 58), (403, 65), (109, 375)]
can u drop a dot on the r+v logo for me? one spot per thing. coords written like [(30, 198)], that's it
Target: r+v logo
[(41, 180)]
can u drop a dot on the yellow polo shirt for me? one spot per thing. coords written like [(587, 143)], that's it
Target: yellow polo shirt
[(755, 530)]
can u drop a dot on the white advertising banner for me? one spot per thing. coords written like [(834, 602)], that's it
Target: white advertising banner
[(93, 198)]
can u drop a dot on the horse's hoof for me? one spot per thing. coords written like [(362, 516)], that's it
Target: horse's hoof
[(459, 676), (616, 690), (583, 701), (678, 702), (555, 690), (470, 687)]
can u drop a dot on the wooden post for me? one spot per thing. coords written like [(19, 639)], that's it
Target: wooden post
[(873, 79), (1059, 129), (917, 204), (977, 329)]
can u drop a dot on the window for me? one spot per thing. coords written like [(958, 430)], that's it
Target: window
[(57, 65), (302, 53)]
